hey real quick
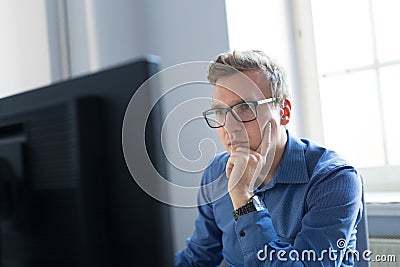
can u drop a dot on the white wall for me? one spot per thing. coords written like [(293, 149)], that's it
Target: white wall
[(24, 57)]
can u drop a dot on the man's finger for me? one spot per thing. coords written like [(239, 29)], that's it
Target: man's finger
[(242, 149), (229, 167)]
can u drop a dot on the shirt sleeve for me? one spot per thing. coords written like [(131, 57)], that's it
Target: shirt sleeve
[(204, 247), (333, 211)]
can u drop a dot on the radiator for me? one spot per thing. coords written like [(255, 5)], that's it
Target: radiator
[(386, 252)]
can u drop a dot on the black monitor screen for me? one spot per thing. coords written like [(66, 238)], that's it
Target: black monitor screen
[(66, 195)]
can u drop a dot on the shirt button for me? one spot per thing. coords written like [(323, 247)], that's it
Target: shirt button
[(242, 233)]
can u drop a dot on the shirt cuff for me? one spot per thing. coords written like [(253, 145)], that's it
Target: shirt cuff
[(254, 230)]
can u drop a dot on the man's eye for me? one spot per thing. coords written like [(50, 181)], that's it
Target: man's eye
[(218, 112), (244, 107)]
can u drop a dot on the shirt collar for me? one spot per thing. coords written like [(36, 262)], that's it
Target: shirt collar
[(292, 168)]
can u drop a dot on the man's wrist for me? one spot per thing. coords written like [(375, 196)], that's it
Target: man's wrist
[(254, 204), (240, 199)]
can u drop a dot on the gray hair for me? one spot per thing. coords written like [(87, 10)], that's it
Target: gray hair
[(229, 63)]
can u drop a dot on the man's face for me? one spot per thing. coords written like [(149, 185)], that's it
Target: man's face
[(239, 87)]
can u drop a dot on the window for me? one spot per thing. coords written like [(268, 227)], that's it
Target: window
[(349, 72), (358, 59)]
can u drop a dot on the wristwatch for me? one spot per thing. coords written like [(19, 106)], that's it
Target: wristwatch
[(254, 204)]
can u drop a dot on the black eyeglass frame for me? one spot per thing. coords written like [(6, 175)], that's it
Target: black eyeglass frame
[(230, 109)]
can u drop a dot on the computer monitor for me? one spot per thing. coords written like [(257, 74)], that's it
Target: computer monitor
[(66, 195)]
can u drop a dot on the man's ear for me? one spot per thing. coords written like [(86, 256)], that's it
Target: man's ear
[(285, 112)]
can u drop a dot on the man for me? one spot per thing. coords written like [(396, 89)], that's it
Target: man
[(289, 202)]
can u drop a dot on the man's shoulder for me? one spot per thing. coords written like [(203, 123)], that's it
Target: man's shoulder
[(219, 161), (220, 157), (325, 161), (216, 167)]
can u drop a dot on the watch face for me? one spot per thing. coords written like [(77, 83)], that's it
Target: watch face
[(258, 203)]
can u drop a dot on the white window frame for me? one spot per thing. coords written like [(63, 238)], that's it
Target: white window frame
[(377, 179)]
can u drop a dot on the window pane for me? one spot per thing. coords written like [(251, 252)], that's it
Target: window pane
[(351, 118), (390, 82), (387, 20), (342, 32)]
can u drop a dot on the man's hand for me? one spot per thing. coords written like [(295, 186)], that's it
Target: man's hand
[(244, 168)]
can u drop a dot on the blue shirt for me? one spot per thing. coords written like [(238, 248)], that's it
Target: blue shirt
[(313, 205)]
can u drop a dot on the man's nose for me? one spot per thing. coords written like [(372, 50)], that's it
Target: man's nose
[(231, 124)]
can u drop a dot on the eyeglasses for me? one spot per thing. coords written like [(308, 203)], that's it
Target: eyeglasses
[(242, 112)]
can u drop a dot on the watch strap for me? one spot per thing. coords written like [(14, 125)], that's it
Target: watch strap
[(254, 204)]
